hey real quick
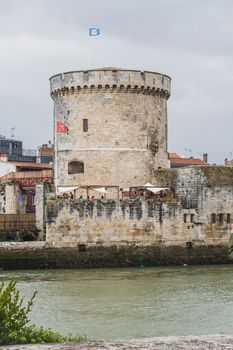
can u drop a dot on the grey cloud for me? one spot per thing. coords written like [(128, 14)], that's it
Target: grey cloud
[(188, 39)]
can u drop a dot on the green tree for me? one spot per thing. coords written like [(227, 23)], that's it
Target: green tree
[(14, 321)]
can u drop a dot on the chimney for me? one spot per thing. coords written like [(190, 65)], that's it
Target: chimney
[(205, 157)]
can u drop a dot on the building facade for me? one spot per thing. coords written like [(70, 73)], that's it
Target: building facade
[(13, 150), (110, 126), (177, 161), (45, 153)]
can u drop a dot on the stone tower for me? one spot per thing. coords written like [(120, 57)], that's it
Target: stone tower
[(117, 121)]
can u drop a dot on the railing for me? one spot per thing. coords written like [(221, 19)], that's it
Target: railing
[(29, 152), (17, 221), (18, 151), (17, 158), (32, 181)]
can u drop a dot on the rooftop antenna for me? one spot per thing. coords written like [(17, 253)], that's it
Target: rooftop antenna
[(12, 132), (188, 150)]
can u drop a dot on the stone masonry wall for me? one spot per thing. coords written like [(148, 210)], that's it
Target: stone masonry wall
[(40, 206), (124, 222), (15, 200), (2, 199), (207, 192), (200, 214), (126, 138)]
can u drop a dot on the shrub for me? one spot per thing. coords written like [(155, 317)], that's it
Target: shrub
[(14, 321), (2, 236)]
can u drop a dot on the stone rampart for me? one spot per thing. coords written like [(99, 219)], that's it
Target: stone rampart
[(41, 255), (192, 228), (201, 213)]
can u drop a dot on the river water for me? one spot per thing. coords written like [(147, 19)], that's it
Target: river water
[(131, 302)]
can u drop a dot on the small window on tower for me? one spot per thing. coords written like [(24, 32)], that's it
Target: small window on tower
[(85, 125), (75, 167)]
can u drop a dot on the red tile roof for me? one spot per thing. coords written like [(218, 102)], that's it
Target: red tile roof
[(176, 159), (37, 166), (188, 161)]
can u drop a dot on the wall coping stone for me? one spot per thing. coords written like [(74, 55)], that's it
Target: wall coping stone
[(204, 342)]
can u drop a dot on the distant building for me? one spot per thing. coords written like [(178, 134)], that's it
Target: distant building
[(177, 161), (20, 171), (45, 153), (18, 180), (13, 150), (6, 168), (228, 162)]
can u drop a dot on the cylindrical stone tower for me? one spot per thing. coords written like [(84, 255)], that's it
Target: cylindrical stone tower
[(117, 121)]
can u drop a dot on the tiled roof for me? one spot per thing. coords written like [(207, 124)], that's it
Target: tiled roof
[(188, 161), (39, 166), (176, 159)]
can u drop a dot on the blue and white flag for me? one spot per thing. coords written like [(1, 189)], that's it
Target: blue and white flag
[(94, 31)]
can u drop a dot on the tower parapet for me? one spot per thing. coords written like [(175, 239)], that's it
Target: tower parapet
[(111, 79)]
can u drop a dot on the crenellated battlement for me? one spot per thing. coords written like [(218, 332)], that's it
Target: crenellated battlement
[(110, 80)]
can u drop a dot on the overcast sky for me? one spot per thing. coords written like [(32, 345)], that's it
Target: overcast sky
[(190, 40)]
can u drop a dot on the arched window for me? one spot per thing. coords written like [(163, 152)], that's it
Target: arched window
[(75, 167)]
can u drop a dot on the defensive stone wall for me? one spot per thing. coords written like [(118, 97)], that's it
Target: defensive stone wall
[(117, 121), (200, 213), (36, 255), (116, 222), (207, 189), (192, 228)]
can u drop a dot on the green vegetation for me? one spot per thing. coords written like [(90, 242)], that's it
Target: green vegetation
[(3, 236), (14, 321), (31, 234)]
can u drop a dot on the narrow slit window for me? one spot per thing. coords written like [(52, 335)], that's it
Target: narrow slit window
[(192, 218), (85, 125), (228, 218), (185, 218), (213, 218), (220, 218)]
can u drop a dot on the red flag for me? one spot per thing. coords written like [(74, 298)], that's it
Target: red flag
[(61, 128)]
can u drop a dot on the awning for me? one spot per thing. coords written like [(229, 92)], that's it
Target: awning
[(61, 189), (154, 189), (100, 190)]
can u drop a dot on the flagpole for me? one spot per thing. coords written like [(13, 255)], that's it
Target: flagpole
[(89, 52), (56, 161), (56, 154), (93, 31)]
